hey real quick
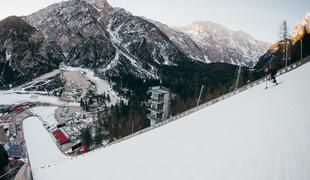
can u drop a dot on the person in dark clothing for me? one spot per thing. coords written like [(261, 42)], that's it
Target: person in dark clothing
[(272, 72)]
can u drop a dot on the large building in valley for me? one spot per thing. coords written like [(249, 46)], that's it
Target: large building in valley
[(159, 104)]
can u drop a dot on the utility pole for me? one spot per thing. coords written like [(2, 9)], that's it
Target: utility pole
[(286, 51), (266, 81), (283, 59), (301, 48), (132, 126), (238, 77), (200, 95)]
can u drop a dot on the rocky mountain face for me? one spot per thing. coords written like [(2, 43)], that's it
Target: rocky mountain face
[(111, 41), (191, 47), (24, 52), (211, 42), (108, 40), (74, 27)]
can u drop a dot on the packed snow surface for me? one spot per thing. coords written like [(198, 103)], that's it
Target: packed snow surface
[(47, 113), (18, 97), (41, 148), (256, 135), (12, 97)]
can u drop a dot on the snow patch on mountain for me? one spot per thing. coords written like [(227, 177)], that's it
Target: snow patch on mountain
[(8, 55), (99, 4), (117, 42), (103, 86)]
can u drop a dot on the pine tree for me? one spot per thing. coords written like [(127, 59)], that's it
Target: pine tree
[(98, 136), (305, 31), (86, 137), (82, 103), (4, 159), (86, 105)]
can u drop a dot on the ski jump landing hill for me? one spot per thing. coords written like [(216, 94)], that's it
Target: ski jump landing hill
[(249, 134)]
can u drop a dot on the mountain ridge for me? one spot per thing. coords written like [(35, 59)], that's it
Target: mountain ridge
[(237, 46), (24, 53), (111, 41)]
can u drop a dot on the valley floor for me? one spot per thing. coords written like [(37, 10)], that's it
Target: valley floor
[(35, 103)]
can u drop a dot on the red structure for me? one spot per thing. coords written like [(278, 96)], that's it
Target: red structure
[(21, 107), (60, 137), (18, 109), (83, 149)]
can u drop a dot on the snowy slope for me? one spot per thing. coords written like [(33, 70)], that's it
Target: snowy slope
[(47, 113), (12, 97), (18, 97), (256, 135), (40, 146)]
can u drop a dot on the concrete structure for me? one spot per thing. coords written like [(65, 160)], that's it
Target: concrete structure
[(159, 104)]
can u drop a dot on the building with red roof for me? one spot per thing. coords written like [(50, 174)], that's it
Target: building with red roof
[(60, 136)]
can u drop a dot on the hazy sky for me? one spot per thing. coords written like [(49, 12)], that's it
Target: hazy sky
[(260, 18)]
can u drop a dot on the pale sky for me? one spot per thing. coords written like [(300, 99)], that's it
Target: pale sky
[(260, 18)]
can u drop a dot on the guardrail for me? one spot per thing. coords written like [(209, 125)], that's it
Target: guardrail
[(214, 101), (9, 172)]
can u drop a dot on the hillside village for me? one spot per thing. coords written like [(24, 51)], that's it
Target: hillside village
[(63, 117)]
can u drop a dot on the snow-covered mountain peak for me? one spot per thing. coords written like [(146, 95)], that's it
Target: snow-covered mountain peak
[(99, 4), (200, 27), (207, 29), (211, 42)]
